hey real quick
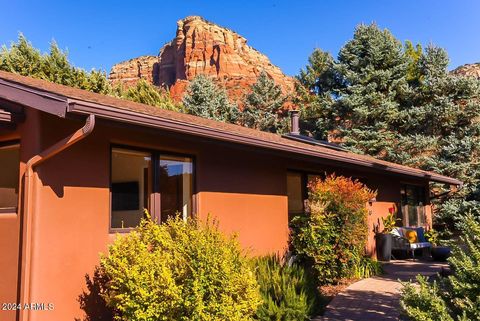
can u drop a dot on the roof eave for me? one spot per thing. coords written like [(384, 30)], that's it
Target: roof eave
[(131, 117)]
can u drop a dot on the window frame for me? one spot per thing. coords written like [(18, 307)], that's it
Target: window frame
[(12, 209), (155, 195), (426, 200), (304, 177)]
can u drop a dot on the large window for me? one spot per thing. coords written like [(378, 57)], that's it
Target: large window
[(160, 183), (9, 176), (176, 181), (413, 205), (130, 187), (295, 193)]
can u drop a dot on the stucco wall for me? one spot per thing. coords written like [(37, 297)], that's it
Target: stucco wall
[(243, 188)]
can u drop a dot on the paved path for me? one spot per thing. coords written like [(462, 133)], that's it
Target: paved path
[(377, 298)]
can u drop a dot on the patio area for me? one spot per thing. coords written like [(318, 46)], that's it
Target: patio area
[(377, 298)]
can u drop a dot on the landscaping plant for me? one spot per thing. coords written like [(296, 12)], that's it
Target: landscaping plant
[(333, 235), (179, 271), (288, 291), (456, 297)]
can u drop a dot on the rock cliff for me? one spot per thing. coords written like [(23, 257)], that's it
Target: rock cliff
[(470, 70), (201, 47)]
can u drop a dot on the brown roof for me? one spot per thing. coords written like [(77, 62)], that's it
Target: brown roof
[(61, 100)]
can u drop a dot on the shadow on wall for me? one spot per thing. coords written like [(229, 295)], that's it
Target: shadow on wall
[(92, 302)]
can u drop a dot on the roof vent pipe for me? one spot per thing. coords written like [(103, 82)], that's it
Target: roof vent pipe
[(294, 119)]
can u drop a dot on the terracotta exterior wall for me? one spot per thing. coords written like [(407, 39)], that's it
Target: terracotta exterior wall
[(243, 188)]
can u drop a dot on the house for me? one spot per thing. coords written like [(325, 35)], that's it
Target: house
[(76, 168)]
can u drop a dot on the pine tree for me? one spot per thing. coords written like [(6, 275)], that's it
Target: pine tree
[(400, 104), (263, 106), (22, 58), (314, 94), (205, 99)]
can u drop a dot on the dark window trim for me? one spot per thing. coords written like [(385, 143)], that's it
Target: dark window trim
[(155, 197), (304, 176), (12, 209), (426, 198)]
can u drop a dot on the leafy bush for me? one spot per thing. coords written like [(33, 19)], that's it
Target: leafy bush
[(333, 235), (179, 271), (456, 297), (288, 291), (424, 302), (366, 268)]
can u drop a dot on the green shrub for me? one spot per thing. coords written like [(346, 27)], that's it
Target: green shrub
[(179, 271), (366, 268), (332, 237), (288, 292), (424, 303), (456, 297)]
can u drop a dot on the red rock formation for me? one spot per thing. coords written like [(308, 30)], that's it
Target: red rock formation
[(469, 70), (201, 47)]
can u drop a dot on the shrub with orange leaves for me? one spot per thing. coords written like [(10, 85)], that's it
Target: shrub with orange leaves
[(333, 235)]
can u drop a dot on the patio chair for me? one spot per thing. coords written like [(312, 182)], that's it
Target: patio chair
[(401, 242)]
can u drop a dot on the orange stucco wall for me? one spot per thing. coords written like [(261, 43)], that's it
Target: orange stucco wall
[(244, 189)]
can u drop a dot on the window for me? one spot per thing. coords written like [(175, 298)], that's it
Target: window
[(130, 187), (9, 176), (413, 205), (140, 180), (295, 193), (176, 182)]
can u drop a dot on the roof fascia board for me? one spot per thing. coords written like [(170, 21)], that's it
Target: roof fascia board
[(33, 98), (122, 115)]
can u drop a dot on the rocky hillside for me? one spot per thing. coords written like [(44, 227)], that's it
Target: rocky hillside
[(470, 70), (201, 47)]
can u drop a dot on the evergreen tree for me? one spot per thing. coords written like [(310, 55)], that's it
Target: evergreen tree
[(146, 93), (314, 94), (372, 70), (400, 104), (205, 99), (263, 106), (22, 58)]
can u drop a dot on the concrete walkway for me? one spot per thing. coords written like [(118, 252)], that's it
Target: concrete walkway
[(377, 298)]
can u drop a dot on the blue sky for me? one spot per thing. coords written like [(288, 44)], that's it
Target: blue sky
[(100, 33)]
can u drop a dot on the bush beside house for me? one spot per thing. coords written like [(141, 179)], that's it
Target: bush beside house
[(288, 291), (179, 271), (332, 237), (191, 271)]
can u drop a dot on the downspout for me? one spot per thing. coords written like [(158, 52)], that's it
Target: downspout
[(30, 220)]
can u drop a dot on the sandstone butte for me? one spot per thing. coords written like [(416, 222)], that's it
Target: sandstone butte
[(469, 70), (202, 48)]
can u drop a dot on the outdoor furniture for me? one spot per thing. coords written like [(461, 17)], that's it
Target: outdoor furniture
[(400, 240)]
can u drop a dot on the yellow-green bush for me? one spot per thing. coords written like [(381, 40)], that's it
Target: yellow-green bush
[(289, 292), (179, 271)]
